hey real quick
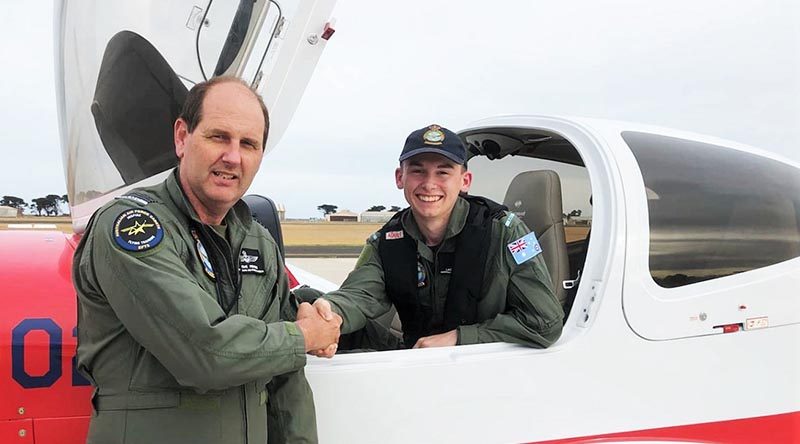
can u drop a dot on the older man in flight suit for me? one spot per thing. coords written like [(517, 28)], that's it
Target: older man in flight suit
[(459, 269), (183, 305)]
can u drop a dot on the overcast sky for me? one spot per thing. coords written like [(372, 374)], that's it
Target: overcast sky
[(728, 69)]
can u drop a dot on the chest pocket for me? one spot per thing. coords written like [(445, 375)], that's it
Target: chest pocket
[(258, 273)]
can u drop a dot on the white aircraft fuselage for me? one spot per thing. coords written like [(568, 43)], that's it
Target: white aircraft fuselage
[(683, 323)]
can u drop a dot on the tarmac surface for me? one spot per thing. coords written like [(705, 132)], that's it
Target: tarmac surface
[(323, 250), (332, 269)]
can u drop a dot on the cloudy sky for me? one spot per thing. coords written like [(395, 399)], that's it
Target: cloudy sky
[(729, 69)]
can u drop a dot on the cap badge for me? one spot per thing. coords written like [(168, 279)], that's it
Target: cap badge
[(434, 135)]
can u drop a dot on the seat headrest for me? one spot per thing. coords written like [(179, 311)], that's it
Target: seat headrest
[(265, 212), (137, 99), (535, 197)]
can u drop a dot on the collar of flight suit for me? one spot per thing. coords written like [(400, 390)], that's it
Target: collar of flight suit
[(456, 223), (238, 215)]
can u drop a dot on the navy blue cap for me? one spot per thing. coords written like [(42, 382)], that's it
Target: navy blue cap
[(435, 139)]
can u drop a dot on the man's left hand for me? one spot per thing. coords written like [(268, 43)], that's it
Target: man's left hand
[(324, 309), (440, 340)]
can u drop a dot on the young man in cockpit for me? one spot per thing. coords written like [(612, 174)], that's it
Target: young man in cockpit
[(459, 269)]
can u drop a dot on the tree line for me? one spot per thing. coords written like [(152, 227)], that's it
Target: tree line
[(330, 209), (49, 205)]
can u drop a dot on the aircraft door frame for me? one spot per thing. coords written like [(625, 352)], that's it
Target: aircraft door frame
[(238, 51)]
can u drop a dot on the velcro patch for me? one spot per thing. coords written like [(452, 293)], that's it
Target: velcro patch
[(137, 230), (393, 235), (251, 261), (422, 277), (525, 248), (203, 255)]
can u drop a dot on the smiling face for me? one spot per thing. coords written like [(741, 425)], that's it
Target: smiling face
[(220, 157), (431, 184)]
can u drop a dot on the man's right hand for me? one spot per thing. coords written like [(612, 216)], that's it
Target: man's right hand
[(318, 333)]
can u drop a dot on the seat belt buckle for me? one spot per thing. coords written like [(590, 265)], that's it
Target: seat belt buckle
[(570, 284)]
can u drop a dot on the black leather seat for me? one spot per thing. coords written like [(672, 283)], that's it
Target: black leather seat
[(535, 197), (266, 214), (137, 99)]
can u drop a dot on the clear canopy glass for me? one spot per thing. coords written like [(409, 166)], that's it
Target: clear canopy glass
[(123, 70)]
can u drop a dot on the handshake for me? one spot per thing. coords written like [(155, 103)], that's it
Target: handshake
[(320, 327)]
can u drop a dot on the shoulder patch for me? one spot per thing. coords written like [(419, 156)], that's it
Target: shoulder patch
[(137, 230), (525, 248)]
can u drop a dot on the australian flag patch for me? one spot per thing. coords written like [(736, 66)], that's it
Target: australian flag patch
[(251, 261), (525, 248)]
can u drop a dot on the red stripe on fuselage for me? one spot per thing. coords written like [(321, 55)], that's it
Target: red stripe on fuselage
[(292, 280), (773, 429)]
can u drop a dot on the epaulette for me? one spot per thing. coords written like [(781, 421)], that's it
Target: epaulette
[(140, 198), (509, 219)]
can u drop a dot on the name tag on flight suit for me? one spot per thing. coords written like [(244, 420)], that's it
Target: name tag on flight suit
[(251, 261)]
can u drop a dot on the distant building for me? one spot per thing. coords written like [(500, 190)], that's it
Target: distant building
[(342, 216), (8, 211), (376, 217), (578, 222)]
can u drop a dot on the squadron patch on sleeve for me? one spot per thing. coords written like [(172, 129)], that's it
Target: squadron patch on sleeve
[(137, 230), (251, 261)]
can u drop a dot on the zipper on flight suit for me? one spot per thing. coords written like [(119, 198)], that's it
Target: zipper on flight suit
[(219, 245), (430, 271), (432, 287), (230, 271), (437, 311), (244, 411)]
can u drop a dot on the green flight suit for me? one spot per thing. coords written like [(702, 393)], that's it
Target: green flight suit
[(168, 364), (517, 303)]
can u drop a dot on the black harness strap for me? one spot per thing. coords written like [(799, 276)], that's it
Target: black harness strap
[(468, 263), (399, 260), (466, 282)]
